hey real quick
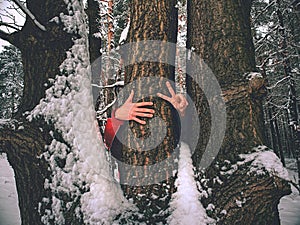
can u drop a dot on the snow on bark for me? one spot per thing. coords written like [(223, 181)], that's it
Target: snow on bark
[(262, 161), (85, 177), (185, 204), (124, 33)]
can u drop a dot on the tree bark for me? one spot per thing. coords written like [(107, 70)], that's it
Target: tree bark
[(24, 141), (219, 32), (151, 20), (23, 145)]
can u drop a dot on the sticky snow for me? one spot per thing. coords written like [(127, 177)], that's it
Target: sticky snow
[(68, 104), (185, 203), (267, 160), (124, 33), (253, 75), (289, 207)]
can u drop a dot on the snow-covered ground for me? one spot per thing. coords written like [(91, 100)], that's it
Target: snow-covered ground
[(9, 211), (289, 207)]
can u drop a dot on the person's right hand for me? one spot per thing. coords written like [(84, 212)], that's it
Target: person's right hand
[(131, 111)]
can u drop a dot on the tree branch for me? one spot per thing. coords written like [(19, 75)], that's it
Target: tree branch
[(9, 26), (31, 16), (5, 36)]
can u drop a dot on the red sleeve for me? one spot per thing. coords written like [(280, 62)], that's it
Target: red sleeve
[(111, 128)]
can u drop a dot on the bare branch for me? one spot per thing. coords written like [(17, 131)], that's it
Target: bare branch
[(31, 16), (5, 36), (100, 112), (13, 26), (278, 82), (117, 84), (16, 9), (264, 10)]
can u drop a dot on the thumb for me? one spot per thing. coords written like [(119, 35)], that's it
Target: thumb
[(129, 99)]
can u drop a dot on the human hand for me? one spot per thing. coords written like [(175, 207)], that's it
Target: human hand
[(178, 101), (131, 111)]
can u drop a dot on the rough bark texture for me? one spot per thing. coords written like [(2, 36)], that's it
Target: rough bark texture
[(245, 197), (25, 141), (219, 32), (151, 20), (223, 40), (23, 145)]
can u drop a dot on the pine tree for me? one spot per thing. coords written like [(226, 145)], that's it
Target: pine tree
[(11, 81), (220, 33)]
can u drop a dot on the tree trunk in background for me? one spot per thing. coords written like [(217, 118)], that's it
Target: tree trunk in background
[(219, 32), (151, 20), (25, 141), (292, 102), (279, 140), (94, 43)]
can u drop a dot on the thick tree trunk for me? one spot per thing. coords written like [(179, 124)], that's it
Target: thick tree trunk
[(24, 141), (247, 198), (23, 145), (151, 20), (42, 51), (219, 32)]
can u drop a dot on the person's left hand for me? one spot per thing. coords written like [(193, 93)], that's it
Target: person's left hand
[(178, 101)]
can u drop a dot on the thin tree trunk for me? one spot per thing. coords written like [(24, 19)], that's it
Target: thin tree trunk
[(286, 136), (280, 151), (273, 134)]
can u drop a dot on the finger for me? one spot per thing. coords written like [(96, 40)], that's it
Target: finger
[(149, 115), (164, 97), (139, 104), (139, 121), (171, 90), (129, 99), (181, 100), (144, 110)]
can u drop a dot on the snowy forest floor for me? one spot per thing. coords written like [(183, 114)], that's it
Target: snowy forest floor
[(289, 207)]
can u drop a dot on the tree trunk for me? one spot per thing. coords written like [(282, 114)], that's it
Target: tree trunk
[(292, 102), (22, 148), (150, 20), (279, 141), (24, 141), (219, 32)]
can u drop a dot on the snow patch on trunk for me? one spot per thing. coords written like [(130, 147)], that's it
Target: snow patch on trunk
[(85, 177), (185, 204), (265, 160)]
